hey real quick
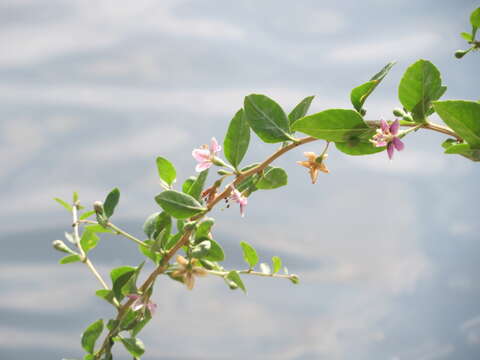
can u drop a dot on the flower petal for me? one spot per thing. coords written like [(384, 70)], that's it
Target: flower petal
[(152, 307), (394, 127), (390, 149), (201, 154), (399, 145), (214, 147), (384, 126), (204, 165)]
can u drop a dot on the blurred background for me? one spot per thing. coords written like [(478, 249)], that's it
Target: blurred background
[(92, 91)]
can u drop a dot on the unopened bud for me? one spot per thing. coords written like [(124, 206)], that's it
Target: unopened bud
[(398, 112), (408, 118), (223, 172), (217, 161), (60, 246), (460, 53), (294, 279), (98, 207)]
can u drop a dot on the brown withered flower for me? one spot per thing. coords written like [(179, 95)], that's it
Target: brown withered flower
[(187, 271), (314, 164)]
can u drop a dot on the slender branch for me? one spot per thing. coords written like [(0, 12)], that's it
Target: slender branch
[(117, 230), (255, 273), (85, 259)]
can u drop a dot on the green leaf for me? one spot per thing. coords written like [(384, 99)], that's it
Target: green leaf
[(105, 294), (134, 346), (249, 254), (141, 324), (463, 117), (358, 148), (420, 85), (338, 125), (86, 215), (197, 186), (359, 95), (157, 222), (208, 250), (276, 264), (272, 178), (130, 286), (188, 184), (111, 202), (91, 334), (237, 139), (475, 18), (300, 110), (64, 204), (204, 228), (166, 171), (464, 150), (179, 205), (89, 240), (147, 251), (172, 240), (266, 118), (69, 259), (235, 278), (120, 277), (466, 36)]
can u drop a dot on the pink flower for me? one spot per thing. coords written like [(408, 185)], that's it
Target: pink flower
[(140, 302), (240, 199), (388, 136), (205, 155)]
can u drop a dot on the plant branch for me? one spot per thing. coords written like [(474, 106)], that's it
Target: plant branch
[(117, 230), (255, 273)]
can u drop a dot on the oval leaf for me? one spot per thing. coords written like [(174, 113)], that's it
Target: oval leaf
[(273, 178), (266, 118), (237, 139), (89, 240), (91, 334), (196, 188), (276, 264), (420, 85), (359, 95), (300, 110), (463, 117), (235, 278), (249, 254), (70, 259), (342, 125), (134, 346), (111, 202), (179, 205), (166, 171)]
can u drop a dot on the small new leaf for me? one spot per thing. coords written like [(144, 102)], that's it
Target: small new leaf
[(91, 334), (111, 202), (235, 278), (166, 171), (249, 254), (276, 264), (64, 204)]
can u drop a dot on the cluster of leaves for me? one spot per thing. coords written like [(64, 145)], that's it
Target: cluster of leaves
[(471, 36)]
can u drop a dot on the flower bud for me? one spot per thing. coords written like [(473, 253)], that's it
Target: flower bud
[(223, 172), (460, 53), (98, 207), (60, 246), (399, 112), (217, 161), (294, 279), (408, 117)]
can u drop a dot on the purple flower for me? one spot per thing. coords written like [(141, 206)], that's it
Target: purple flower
[(140, 302), (205, 155), (240, 199), (388, 136)]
